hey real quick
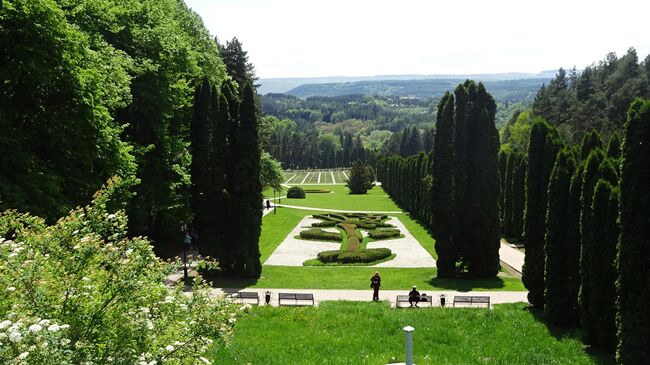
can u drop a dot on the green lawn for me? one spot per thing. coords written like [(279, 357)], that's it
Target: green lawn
[(341, 277), (371, 333), (376, 199)]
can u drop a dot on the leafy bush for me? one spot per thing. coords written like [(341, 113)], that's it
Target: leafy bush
[(347, 257), (361, 178), (296, 192), (81, 292), (319, 234), (379, 234)]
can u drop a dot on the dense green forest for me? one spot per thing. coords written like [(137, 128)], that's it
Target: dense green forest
[(98, 89), (313, 132)]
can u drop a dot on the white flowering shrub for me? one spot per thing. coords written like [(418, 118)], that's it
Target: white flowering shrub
[(81, 292)]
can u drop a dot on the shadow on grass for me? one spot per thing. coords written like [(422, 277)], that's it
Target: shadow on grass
[(230, 283), (467, 284), (599, 357)]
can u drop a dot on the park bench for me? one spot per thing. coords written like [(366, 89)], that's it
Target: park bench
[(470, 300), (243, 296), (426, 299), (295, 299)]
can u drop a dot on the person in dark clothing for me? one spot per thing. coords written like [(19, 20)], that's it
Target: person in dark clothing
[(268, 204), (375, 283), (195, 240), (414, 296)]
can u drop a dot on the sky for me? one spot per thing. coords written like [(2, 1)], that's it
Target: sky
[(319, 38)]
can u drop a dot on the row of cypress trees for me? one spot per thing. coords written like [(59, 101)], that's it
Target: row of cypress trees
[(586, 232), (454, 190), (226, 188)]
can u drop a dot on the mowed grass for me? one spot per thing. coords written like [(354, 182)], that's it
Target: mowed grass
[(344, 277), (339, 198), (371, 333)]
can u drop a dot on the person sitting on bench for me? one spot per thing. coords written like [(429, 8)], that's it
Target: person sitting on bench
[(414, 296)]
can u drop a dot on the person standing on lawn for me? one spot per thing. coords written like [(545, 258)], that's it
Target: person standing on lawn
[(375, 283)]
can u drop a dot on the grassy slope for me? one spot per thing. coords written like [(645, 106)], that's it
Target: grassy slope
[(371, 333)]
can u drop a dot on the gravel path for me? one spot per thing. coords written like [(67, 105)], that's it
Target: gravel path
[(408, 251), (293, 251), (511, 256), (338, 210), (321, 295)]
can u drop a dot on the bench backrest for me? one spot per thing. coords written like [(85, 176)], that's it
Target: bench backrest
[(286, 296), (247, 295), (304, 296)]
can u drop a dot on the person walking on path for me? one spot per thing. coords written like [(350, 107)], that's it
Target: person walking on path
[(268, 204), (414, 296), (375, 283)]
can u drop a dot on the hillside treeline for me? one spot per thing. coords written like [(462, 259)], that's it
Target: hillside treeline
[(596, 98)]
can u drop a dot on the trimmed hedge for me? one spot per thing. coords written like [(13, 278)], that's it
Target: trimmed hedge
[(379, 234), (363, 256), (296, 192), (324, 224), (319, 234), (317, 191)]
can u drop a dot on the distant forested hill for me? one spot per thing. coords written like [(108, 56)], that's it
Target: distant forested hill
[(284, 84), (502, 90)]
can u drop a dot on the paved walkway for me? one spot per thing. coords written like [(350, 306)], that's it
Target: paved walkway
[(511, 256), (339, 210), (321, 295)]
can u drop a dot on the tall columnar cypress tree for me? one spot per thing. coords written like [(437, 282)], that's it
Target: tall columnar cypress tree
[(590, 142), (614, 147), (557, 305), (216, 240), (542, 149), (572, 260), (460, 166), (519, 196), (633, 260), (508, 228), (503, 167), (250, 190), (602, 265), (483, 224), (589, 179), (442, 204), (200, 150)]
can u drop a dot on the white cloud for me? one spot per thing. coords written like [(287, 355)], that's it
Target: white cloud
[(289, 38)]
